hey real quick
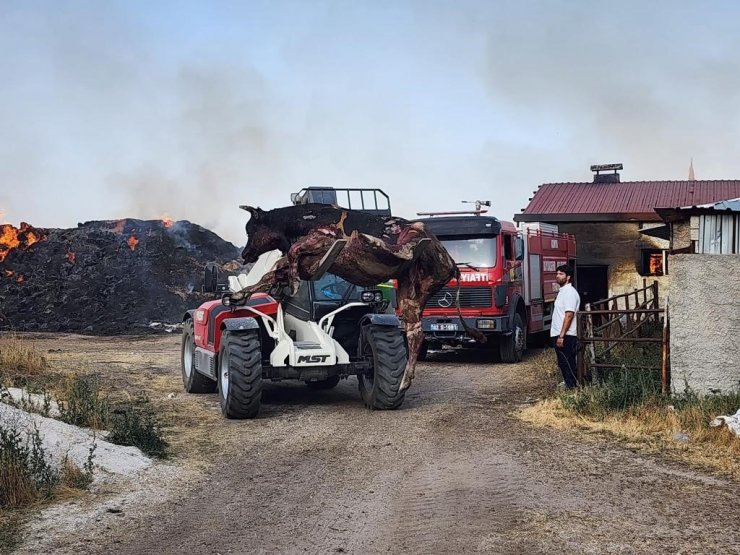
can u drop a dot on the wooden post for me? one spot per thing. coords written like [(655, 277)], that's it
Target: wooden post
[(636, 317), (665, 376), (580, 359), (589, 332), (655, 299)]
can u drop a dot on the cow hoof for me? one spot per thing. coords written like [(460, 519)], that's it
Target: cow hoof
[(405, 384)]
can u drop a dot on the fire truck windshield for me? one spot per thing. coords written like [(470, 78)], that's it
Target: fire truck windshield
[(479, 252)]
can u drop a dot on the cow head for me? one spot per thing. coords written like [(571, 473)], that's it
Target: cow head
[(261, 238)]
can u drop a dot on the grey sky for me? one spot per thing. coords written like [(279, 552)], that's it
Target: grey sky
[(125, 109)]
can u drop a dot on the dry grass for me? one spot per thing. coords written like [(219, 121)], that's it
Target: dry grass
[(73, 477), (653, 429), (21, 362), (16, 485), (652, 422)]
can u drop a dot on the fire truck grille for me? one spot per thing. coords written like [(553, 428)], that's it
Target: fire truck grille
[(470, 297)]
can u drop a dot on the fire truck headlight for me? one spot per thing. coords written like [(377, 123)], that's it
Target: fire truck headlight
[(486, 324)]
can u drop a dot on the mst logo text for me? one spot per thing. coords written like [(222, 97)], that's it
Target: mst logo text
[(312, 358)]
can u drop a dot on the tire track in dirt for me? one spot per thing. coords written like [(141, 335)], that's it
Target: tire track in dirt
[(443, 505)]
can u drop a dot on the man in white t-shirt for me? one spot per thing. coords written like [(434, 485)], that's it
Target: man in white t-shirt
[(563, 330)]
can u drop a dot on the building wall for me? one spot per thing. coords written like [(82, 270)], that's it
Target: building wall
[(704, 310), (617, 245), (681, 232)]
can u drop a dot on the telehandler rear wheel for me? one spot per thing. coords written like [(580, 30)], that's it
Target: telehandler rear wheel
[(193, 381), (240, 374)]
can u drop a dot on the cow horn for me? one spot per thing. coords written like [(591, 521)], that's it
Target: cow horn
[(253, 211)]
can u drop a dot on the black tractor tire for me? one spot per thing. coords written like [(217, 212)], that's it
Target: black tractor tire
[(240, 374), (379, 387), (193, 381), (329, 383), (512, 347)]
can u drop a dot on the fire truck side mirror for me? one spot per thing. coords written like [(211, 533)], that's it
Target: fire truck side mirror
[(519, 248)]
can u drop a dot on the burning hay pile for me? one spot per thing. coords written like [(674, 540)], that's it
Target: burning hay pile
[(104, 277)]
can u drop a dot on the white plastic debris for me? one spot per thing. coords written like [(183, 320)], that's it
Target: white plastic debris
[(169, 328), (732, 422)]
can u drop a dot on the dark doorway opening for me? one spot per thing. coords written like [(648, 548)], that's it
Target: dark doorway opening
[(592, 282)]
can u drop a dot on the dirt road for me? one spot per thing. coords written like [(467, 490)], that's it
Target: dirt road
[(453, 471)]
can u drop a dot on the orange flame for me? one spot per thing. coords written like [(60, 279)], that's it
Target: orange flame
[(12, 237), (132, 242), (71, 257), (8, 273), (167, 221), (8, 239), (20, 279)]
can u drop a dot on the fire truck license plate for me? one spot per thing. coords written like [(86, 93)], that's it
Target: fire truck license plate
[(444, 327)]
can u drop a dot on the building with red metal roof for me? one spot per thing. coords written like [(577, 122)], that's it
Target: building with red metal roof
[(619, 236)]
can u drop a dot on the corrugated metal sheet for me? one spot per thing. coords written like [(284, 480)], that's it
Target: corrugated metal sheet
[(732, 205), (630, 197)]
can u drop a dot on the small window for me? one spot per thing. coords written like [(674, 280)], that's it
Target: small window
[(508, 254), (653, 262)]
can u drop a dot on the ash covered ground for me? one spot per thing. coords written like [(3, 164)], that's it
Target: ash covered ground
[(105, 277)]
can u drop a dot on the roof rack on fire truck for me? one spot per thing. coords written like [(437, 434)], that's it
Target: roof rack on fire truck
[(477, 212)]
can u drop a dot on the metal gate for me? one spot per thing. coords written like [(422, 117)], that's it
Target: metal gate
[(605, 324)]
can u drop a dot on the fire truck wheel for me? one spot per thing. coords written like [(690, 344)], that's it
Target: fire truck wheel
[(512, 346), (328, 383), (193, 381), (379, 386), (240, 374)]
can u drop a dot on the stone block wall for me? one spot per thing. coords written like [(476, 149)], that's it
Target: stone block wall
[(704, 308)]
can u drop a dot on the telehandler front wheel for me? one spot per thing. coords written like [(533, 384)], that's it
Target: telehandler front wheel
[(379, 386), (240, 374)]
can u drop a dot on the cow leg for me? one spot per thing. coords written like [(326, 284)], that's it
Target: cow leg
[(410, 308), (414, 290)]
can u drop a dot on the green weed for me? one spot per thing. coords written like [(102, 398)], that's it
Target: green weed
[(137, 424), (83, 404)]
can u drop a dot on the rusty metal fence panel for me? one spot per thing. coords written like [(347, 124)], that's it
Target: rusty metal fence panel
[(620, 319)]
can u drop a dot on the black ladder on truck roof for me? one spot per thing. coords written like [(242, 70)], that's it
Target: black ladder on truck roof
[(373, 201)]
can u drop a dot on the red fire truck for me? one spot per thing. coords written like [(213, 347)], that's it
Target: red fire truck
[(507, 282)]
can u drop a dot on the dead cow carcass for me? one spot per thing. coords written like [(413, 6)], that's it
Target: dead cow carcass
[(375, 249)]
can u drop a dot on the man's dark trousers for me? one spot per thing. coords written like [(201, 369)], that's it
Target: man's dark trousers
[(567, 359)]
